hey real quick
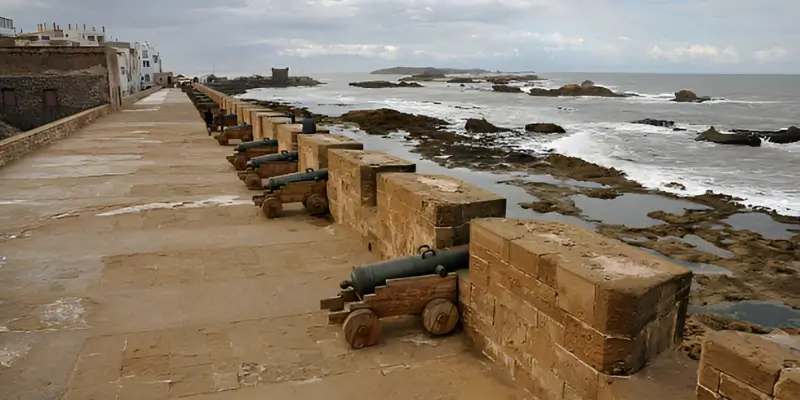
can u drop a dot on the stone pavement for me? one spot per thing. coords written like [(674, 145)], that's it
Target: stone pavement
[(133, 265)]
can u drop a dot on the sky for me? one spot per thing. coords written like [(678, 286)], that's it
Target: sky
[(317, 36)]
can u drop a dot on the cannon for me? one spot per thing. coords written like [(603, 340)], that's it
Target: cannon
[(265, 167), (247, 150), (424, 284), (223, 120), (309, 188), (241, 132)]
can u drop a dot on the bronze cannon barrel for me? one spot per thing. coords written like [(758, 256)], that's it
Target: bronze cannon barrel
[(256, 143), (366, 278), (256, 162), (310, 175)]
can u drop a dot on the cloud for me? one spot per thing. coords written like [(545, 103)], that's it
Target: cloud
[(772, 54), (696, 53), (342, 35)]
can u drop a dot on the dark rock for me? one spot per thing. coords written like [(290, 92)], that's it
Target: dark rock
[(461, 80), (587, 84), (575, 90), (742, 139), (655, 122), (544, 128), (383, 84), (384, 121), (475, 125), (783, 136), (675, 185), (506, 89), (688, 96)]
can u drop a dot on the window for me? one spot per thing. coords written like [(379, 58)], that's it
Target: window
[(147, 77), (50, 98), (9, 98), (155, 58), (144, 53), (146, 64)]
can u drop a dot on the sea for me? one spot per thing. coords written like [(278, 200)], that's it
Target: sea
[(599, 130)]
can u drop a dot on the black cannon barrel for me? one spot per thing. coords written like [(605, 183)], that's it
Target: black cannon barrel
[(256, 143), (256, 162), (238, 127), (365, 278), (278, 182)]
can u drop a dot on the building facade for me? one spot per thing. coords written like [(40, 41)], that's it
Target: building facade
[(151, 64), (39, 85), (7, 27)]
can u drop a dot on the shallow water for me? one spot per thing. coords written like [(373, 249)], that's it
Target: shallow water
[(767, 314), (763, 224), (599, 129), (631, 209)]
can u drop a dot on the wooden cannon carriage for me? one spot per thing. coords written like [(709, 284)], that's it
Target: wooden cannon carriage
[(309, 188), (243, 133), (424, 284), (246, 151), (268, 166)]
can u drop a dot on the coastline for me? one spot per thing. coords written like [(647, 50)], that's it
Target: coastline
[(722, 241)]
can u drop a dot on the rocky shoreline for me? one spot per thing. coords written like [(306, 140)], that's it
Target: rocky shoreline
[(732, 264)]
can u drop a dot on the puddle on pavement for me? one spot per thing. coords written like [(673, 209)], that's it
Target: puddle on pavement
[(217, 201), (762, 224), (702, 245), (631, 209), (764, 313), (488, 181), (697, 268)]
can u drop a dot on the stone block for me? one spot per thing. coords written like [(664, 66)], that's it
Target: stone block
[(313, 149), (614, 306), (262, 119), (287, 136), (734, 389), (432, 210), (272, 126), (788, 386), (757, 361)]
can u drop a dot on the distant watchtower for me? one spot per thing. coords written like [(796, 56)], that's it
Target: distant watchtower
[(280, 74)]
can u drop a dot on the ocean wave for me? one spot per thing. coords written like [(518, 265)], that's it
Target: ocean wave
[(588, 144)]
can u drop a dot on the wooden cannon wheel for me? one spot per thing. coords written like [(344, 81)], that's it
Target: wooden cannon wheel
[(316, 204), (272, 207), (222, 140), (361, 328), (440, 316)]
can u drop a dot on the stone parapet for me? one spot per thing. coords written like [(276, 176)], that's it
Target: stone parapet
[(353, 187), (744, 366), (563, 309), (433, 210), (312, 150)]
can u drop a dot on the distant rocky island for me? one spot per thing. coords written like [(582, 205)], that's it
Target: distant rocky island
[(427, 71)]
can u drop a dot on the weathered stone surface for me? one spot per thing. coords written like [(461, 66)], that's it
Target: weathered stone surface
[(287, 136), (613, 306), (754, 360), (271, 126), (430, 210), (313, 149)]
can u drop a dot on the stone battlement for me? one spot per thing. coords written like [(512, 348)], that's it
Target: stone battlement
[(568, 313)]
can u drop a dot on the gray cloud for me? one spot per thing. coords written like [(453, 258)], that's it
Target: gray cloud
[(317, 35)]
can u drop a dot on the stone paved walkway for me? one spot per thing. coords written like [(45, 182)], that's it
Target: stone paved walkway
[(134, 266)]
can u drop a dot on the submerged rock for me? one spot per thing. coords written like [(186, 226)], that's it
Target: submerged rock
[(573, 89), (742, 139), (461, 80), (655, 122), (544, 128), (688, 96), (783, 136), (383, 84), (475, 125), (506, 89)]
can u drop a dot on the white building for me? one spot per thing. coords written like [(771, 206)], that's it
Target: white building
[(54, 35), (128, 61), (7, 27), (151, 63)]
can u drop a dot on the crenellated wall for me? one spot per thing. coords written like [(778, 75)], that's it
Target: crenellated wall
[(568, 313)]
